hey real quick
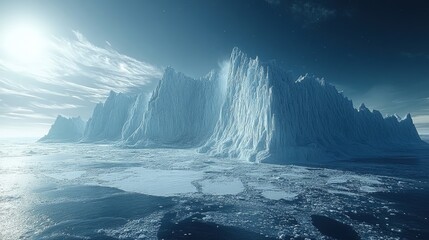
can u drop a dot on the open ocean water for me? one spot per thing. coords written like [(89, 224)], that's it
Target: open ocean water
[(80, 191)]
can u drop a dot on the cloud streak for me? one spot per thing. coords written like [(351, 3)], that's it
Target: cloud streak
[(72, 76), (422, 123)]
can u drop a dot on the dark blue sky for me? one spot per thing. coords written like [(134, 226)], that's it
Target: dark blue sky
[(376, 51), (353, 42)]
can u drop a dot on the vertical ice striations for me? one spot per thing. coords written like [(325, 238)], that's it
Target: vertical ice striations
[(249, 110), (375, 130), (312, 119), (65, 130), (182, 112), (109, 118), (135, 116), (269, 117), (245, 125)]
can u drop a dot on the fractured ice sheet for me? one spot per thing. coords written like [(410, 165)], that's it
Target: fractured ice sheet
[(268, 199), (152, 181)]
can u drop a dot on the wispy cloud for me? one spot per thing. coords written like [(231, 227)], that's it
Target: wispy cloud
[(30, 115), (422, 123), (106, 66), (73, 75), (421, 119), (55, 106)]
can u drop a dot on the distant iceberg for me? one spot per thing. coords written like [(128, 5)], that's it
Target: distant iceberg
[(65, 130), (250, 110)]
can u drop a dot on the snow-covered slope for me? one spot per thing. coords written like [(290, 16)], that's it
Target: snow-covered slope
[(109, 118), (65, 130), (269, 117), (182, 112)]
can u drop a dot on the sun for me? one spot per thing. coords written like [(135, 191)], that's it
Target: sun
[(24, 42)]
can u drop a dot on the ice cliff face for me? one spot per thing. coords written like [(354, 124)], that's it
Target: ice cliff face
[(182, 112), (65, 130), (108, 119), (135, 116), (250, 110), (269, 117), (246, 125)]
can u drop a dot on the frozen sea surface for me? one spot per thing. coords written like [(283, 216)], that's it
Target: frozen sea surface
[(80, 191)]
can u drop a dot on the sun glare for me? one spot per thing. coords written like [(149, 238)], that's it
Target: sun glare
[(25, 43)]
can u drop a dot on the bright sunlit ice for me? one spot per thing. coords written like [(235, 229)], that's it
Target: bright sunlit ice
[(24, 42)]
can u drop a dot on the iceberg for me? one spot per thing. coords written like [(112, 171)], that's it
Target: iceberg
[(250, 110), (65, 130)]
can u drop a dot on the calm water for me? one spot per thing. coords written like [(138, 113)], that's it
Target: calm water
[(65, 191)]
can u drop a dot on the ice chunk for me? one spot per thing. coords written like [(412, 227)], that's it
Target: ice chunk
[(277, 195), (152, 181)]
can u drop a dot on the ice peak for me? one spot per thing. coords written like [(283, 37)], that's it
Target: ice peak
[(408, 119), (59, 116), (237, 52), (169, 70), (211, 75), (171, 74), (362, 107), (239, 58), (112, 93), (408, 116)]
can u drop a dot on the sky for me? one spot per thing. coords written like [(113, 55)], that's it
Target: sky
[(63, 57)]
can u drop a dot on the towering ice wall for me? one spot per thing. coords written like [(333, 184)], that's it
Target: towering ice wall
[(135, 116), (109, 118), (182, 112), (245, 125), (65, 130), (269, 117), (250, 110)]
